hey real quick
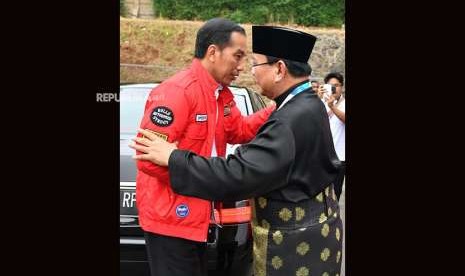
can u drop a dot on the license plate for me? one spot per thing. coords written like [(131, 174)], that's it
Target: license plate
[(127, 202)]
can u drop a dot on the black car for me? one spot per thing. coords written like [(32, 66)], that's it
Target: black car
[(229, 237)]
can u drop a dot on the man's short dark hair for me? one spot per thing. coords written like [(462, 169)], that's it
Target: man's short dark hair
[(337, 76), (313, 81), (295, 68), (215, 31)]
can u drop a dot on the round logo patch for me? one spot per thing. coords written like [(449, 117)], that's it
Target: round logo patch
[(162, 116), (182, 210)]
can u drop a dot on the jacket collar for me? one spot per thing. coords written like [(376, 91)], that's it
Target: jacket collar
[(207, 82), (280, 99)]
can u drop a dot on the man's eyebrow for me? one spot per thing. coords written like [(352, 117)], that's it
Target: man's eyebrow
[(240, 51)]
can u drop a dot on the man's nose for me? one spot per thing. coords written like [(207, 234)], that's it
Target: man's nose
[(240, 66)]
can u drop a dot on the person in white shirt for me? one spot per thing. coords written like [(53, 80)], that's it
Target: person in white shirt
[(335, 105)]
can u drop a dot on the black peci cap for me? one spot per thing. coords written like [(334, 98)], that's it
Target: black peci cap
[(282, 42)]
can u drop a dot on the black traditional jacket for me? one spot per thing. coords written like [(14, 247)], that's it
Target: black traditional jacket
[(291, 159)]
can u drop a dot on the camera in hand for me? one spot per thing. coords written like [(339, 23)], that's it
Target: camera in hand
[(330, 89)]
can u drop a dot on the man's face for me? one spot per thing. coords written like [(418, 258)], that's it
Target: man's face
[(230, 61), (315, 86), (263, 74), (337, 84)]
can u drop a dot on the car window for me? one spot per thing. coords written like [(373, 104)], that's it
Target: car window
[(242, 99), (132, 103), (241, 103)]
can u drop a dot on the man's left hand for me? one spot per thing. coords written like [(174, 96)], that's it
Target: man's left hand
[(155, 149)]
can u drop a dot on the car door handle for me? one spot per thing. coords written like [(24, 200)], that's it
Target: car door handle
[(132, 241), (125, 220)]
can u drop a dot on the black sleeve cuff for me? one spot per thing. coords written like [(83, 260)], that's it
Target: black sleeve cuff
[(177, 166)]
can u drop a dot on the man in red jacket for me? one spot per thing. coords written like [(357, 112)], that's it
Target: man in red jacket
[(196, 109)]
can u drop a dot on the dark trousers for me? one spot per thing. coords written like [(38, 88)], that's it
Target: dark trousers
[(340, 180), (170, 256)]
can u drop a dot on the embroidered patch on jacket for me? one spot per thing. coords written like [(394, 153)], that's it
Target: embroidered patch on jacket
[(162, 116), (161, 135), (201, 117), (227, 108), (182, 210)]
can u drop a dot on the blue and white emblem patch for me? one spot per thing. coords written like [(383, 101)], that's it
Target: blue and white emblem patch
[(182, 210), (201, 117)]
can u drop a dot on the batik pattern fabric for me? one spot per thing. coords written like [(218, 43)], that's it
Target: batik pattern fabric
[(300, 239)]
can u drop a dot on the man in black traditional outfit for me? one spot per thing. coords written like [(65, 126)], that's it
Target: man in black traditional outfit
[(288, 169)]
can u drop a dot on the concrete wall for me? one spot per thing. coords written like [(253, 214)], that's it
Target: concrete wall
[(139, 9), (166, 46), (328, 54)]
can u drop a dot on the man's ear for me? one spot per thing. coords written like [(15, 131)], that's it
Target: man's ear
[(211, 51), (280, 71)]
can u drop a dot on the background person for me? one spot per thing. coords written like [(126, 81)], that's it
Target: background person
[(335, 105)]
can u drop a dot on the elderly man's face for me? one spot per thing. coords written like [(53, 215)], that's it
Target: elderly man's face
[(230, 61), (263, 74)]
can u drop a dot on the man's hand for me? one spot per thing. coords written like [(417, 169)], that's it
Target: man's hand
[(155, 149), (330, 101)]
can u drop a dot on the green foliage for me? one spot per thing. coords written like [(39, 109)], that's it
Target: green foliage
[(122, 8), (302, 12), (237, 16)]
